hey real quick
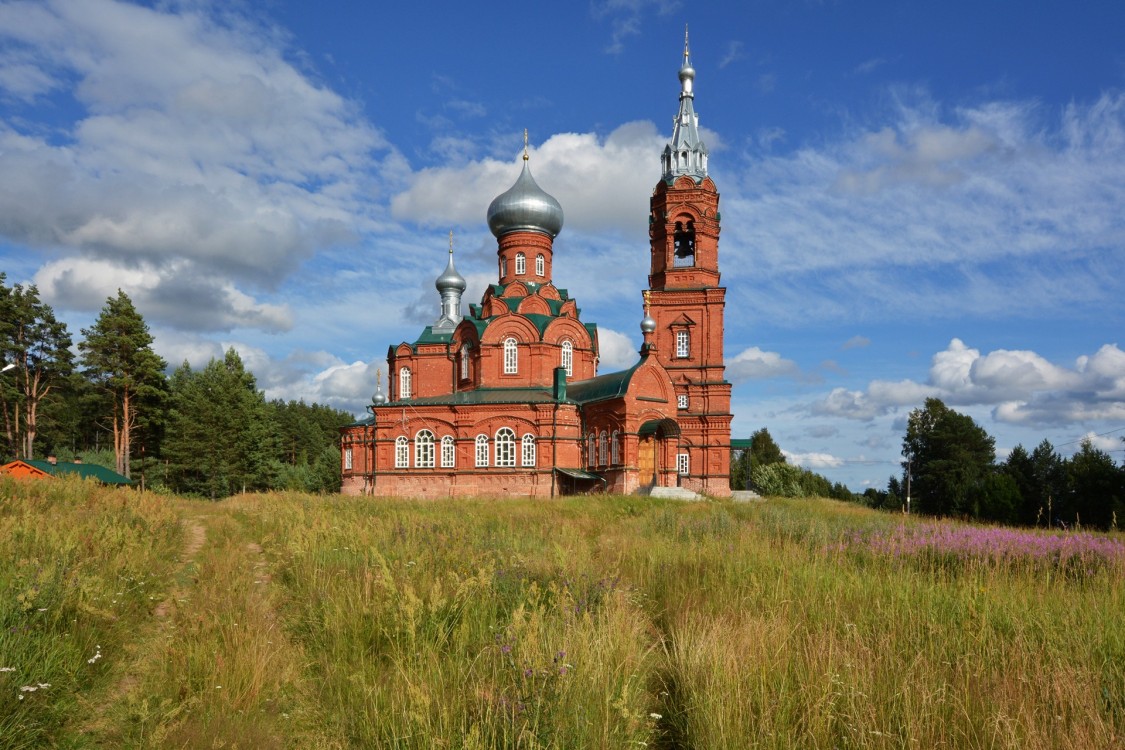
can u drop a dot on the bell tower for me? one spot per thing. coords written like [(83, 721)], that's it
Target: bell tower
[(685, 299)]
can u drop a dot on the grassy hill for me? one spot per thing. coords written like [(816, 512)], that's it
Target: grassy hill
[(131, 619)]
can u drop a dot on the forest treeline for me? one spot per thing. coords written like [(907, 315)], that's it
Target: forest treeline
[(211, 432), (950, 469), (208, 432)]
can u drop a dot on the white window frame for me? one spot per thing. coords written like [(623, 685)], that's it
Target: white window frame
[(404, 382), (505, 447), (448, 452), (511, 356), (683, 343), (603, 445), (682, 401), (527, 450), (615, 448), (466, 361), (482, 450), (540, 265), (424, 450), (683, 464), (503, 266), (402, 452), (521, 264), (567, 357), (347, 459), (591, 450)]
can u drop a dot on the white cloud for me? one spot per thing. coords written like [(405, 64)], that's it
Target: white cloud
[(733, 52), (617, 350), (997, 209), (754, 364), (856, 342), (179, 294), (1022, 386), (813, 460), (599, 182), (626, 16), (197, 149)]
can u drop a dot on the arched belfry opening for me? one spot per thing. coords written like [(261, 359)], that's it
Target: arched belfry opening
[(684, 244)]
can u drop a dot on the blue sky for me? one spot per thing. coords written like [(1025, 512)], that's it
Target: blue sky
[(919, 199)]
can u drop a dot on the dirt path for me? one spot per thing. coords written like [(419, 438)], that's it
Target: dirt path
[(195, 536)]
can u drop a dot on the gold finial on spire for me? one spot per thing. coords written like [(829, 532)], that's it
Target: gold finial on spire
[(525, 144), (646, 294)]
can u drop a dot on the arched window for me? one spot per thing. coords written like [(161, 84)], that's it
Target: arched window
[(614, 448), (402, 452), (567, 360), (603, 441), (448, 453), (591, 450), (683, 343), (404, 383), (521, 264), (424, 450), (540, 265), (527, 450), (511, 356), (505, 447), (503, 266), (347, 459), (466, 361), (482, 450)]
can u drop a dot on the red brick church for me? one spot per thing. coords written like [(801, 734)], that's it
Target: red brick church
[(507, 400)]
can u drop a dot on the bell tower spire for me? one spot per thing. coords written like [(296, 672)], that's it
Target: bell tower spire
[(685, 302), (685, 154)]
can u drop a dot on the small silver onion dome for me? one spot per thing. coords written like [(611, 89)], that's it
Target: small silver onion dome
[(450, 280), (525, 207), (379, 397), (648, 325)]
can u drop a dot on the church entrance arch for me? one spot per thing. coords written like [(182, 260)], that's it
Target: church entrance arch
[(655, 438)]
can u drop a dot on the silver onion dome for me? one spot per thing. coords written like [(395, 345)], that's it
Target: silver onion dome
[(450, 280), (648, 325), (525, 207), (378, 397)]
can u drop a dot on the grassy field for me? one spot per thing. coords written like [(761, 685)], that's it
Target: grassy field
[(269, 621)]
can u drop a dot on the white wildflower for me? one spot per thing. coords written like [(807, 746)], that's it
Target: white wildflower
[(7, 669), (655, 715)]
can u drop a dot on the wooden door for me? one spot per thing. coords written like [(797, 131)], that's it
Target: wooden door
[(646, 461)]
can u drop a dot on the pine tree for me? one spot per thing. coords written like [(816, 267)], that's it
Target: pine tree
[(220, 438), (950, 458), (763, 449), (117, 355), (38, 346)]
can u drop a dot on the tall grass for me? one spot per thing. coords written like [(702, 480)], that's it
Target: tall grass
[(617, 622), (81, 566)]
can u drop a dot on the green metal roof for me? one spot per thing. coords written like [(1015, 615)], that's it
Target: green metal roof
[(478, 396), (429, 337), (86, 471), (603, 387)]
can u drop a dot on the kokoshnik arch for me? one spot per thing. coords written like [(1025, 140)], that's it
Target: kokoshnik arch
[(507, 400)]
